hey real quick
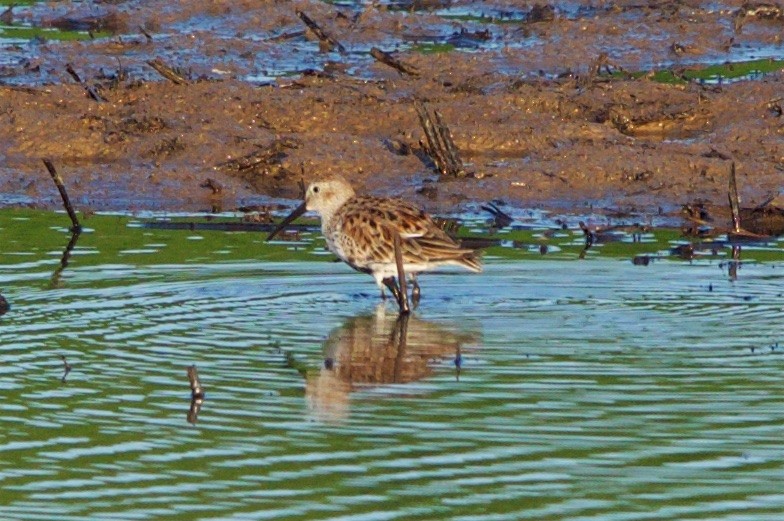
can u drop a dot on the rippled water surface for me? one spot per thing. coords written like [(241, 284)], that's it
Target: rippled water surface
[(545, 388)]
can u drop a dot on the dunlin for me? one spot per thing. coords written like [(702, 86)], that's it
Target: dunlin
[(363, 230)]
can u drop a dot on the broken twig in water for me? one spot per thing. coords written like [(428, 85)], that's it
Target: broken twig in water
[(7, 16), (500, 219), (737, 228), (324, 37), (590, 237), (734, 200), (88, 88), (67, 368), (197, 395), (4, 306), (58, 181), (388, 59), (440, 146), (458, 363), (167, 72), (197, 391)]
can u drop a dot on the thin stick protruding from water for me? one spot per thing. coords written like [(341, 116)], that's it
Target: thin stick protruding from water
[(734, 200), (66, 368), (590, 237), (197, 391), (197, 395), (58, 181)]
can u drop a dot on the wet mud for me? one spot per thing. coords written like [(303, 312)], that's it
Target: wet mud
[(546, 106)]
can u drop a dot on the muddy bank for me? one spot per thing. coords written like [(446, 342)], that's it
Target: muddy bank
[(528, 137)]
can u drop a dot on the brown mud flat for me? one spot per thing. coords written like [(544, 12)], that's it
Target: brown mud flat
[(576, 142)]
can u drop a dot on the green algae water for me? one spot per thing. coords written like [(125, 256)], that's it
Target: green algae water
[(547, 387)]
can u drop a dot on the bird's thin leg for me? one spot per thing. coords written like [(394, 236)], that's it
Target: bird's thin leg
[(416, 293), (402, 299)]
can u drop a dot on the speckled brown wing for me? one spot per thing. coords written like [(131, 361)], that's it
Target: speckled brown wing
[(435, 249), (368, 223)]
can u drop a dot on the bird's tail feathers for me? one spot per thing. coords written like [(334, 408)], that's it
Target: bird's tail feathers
[(471, 261)]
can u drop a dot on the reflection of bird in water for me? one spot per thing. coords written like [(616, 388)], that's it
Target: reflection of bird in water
[(378, 349)]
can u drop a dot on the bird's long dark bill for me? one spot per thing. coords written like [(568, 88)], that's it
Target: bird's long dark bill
[(299, 210)]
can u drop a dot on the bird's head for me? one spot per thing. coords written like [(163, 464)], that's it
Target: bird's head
[(326, 196), (323, 197)]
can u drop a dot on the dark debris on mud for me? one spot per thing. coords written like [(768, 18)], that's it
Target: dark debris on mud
[(529, 121)]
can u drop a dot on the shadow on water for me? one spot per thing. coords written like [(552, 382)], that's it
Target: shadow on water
[(375, 350)]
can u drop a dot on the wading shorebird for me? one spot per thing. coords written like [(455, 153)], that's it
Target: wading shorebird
[(364, 231)]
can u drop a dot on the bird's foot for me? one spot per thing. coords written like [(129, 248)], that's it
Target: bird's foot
[(402, 298), (391, 285)]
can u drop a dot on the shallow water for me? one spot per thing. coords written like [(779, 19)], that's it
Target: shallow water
[(592, 389)]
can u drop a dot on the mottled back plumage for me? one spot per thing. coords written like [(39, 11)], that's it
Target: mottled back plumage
[(360, 233)]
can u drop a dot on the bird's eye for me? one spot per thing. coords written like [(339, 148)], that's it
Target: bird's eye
[(315, 189)]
